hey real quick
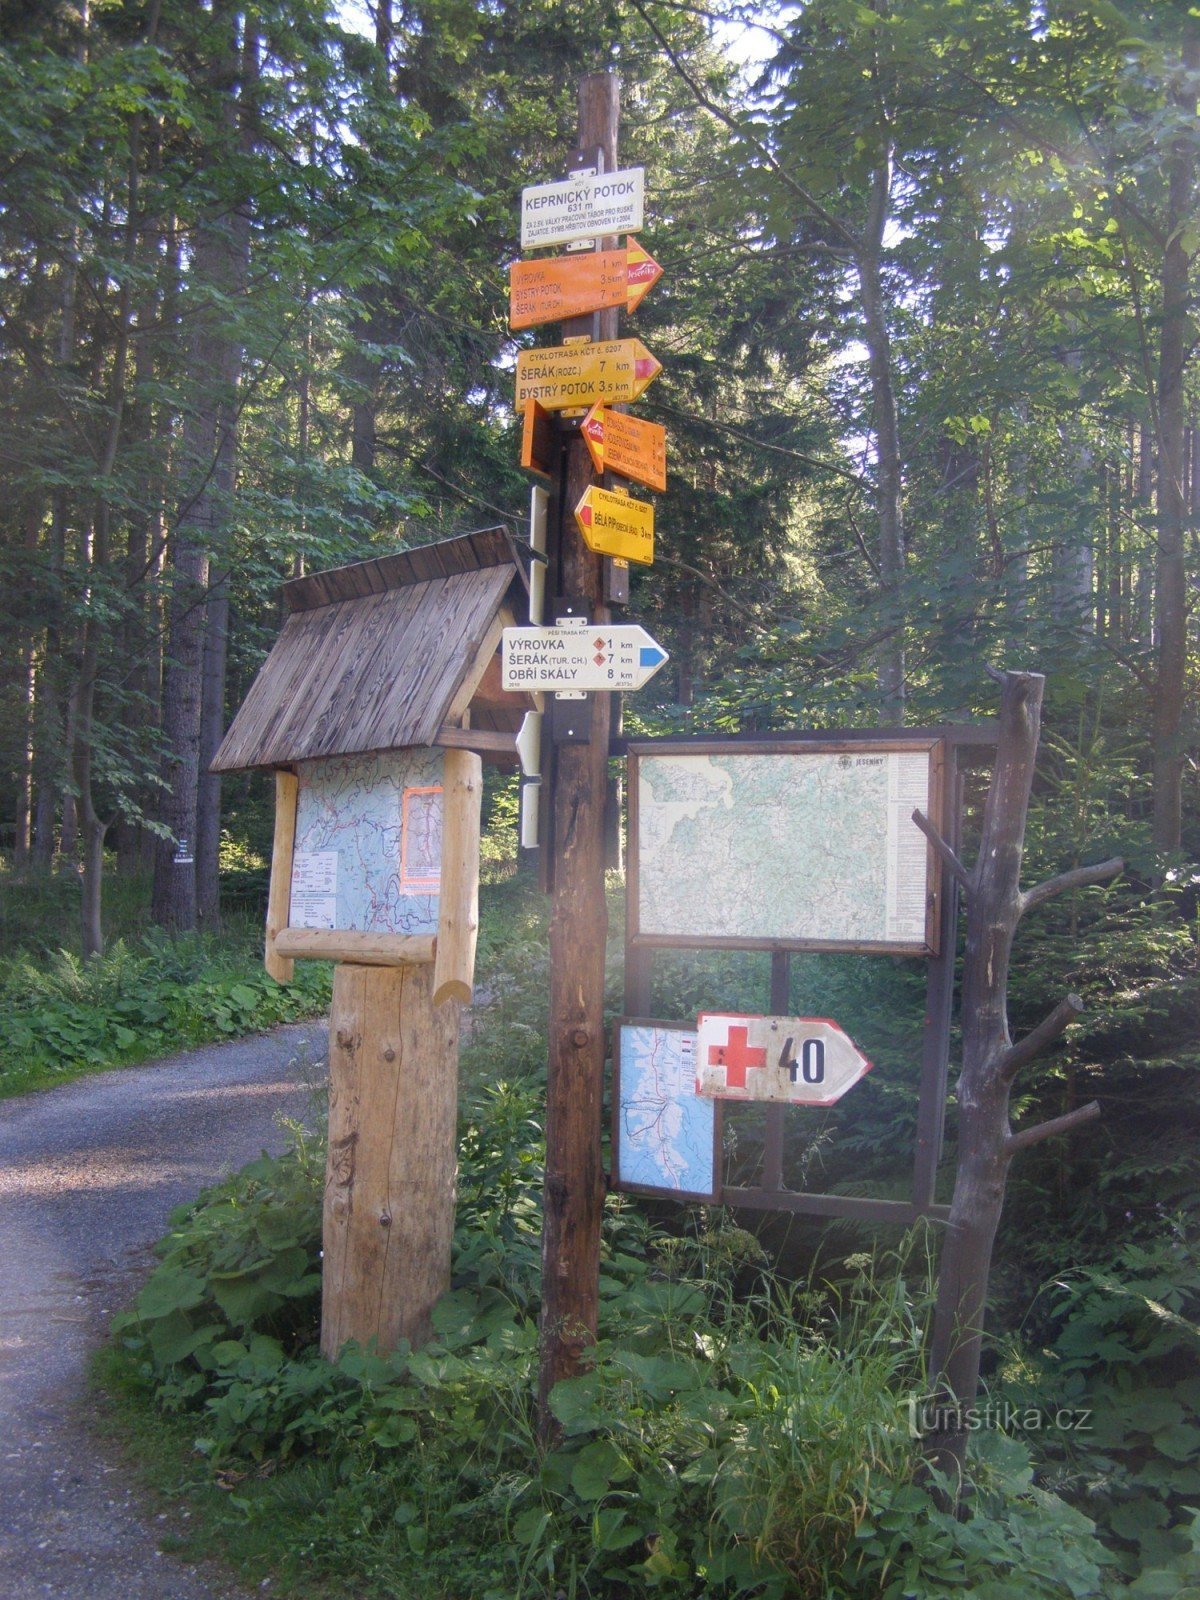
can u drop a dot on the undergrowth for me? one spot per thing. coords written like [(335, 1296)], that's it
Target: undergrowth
[(64, 1016), (737, 1435)]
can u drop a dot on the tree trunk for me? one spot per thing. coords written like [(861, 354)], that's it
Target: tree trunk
[(990, 1061), (1170, 575), (1143, 609), (208, 440), (1074, 557), (212, 726), (889, 474)]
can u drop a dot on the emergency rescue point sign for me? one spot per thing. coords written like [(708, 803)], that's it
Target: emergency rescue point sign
[(582, 208)]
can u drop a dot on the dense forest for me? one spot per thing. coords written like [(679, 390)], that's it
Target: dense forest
[(928, 330), (925, 319)]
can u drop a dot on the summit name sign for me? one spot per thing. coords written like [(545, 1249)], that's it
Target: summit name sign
[(582, 208)]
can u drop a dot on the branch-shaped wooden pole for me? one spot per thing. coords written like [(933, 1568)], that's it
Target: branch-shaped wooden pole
[(991, 1060), (945, 854)]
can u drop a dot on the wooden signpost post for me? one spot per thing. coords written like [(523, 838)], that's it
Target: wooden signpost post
[(591, 365)]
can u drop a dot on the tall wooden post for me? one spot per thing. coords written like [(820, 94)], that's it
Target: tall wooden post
[(390, 1175), (574, 1184)]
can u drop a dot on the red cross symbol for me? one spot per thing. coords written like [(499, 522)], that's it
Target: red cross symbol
[(735, 1057)]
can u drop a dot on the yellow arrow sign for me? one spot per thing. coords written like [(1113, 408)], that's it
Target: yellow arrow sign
[(565, 375), (615, 524), (628, 446)]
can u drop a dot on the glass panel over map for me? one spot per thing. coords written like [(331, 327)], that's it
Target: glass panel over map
[(808, 847), (368, 852), (665, 1133)]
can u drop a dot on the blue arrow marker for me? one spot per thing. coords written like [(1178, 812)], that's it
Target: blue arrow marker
[(651, 656)]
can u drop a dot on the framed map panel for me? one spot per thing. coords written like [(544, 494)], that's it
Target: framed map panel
[(666, 1139), (368, 847), (787, 845)]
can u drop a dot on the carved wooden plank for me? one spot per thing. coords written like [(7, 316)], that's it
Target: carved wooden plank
[(282, 968), (390, 1175), (468, 552), (355, 944), (458, 910)]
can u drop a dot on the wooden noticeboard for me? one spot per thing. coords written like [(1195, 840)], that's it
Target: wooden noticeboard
[(805, 845)]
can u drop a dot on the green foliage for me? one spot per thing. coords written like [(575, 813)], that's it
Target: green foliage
[(735, 1436), (66, 1015), (1123, 1342)]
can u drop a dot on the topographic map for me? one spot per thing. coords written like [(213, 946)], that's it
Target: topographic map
[(808, 846), (665, 1131), (368, 849)]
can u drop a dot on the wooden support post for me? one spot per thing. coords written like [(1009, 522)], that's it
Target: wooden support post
[(939, 1006), (574, 1184), (279, 895), (458, 914), (781, 1004), (990, 1060), (390, 1177)]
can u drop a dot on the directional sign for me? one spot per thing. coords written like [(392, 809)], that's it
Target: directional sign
[(529, 744), (582, 208), (615, 524), (805, 1060), (558, 287), (538, 440), (608, 656), (564, 375), (627, 446)]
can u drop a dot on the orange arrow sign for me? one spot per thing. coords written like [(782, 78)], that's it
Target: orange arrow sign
[(571, 286), (627, 446), (565, 375), (538, 439), (615, 524), (643, 273)]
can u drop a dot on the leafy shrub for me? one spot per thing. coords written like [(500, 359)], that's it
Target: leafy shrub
[(1125, 1344), (735, 1436), (64, 1014)]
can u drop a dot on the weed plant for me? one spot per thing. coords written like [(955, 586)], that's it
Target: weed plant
[(149, 994), (737, 1435)]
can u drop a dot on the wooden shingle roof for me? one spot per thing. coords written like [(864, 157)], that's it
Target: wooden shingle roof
[(378, 655)]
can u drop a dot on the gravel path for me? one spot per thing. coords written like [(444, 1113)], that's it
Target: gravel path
[(88, 1174)]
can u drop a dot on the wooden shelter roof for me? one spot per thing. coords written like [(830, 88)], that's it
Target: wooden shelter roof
[(381, 655)]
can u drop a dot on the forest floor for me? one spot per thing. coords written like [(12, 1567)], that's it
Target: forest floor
[(89, 1173)]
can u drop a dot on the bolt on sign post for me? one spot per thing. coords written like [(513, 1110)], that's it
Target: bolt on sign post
[(376, 867)]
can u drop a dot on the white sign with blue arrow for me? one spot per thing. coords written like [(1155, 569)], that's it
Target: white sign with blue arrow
[(589, 657)]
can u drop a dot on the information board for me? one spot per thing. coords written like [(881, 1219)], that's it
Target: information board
[(368, 849), (792, 846), (666, 1139)]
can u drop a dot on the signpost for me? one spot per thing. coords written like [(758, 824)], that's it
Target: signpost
[(558, 287), (562, 376), (581, 208), (615, 524), (801, 1060), (539, 446), (612, 656), (628, 446)]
